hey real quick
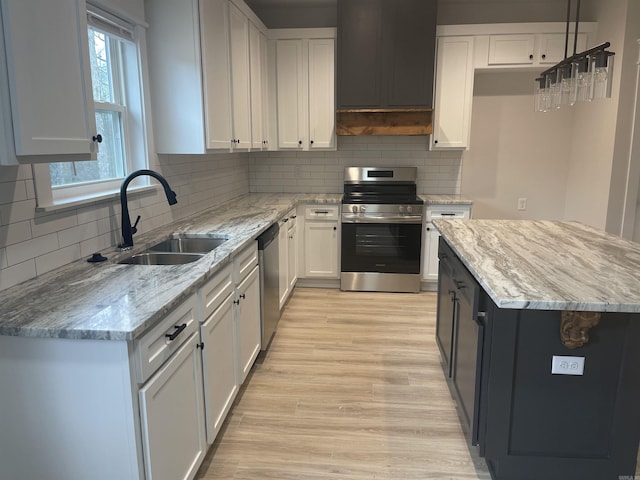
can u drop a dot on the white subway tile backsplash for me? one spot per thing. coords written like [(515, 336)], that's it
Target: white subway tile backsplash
[(16, 274), (15, 233), (50, 261), (44, 224), (23, 251)]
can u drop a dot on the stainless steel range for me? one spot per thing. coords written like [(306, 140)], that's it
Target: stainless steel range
[(381, 230)]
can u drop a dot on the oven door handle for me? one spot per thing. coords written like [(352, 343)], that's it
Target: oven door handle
[(359, 218)]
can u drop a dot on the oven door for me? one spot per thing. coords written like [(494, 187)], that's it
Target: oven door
[(381, 247)]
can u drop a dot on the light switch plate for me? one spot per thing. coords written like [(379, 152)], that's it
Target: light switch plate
[(561, 365)]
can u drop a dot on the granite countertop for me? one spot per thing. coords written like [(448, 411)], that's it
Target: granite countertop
[(545, 265), (445, 200), (109, 301)]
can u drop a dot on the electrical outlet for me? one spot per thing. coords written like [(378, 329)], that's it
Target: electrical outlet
[(522, 203), (561, 365)]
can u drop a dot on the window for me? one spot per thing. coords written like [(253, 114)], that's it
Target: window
[(119, 114)]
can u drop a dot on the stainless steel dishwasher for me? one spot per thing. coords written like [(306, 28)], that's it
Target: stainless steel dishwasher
[(268, 257)]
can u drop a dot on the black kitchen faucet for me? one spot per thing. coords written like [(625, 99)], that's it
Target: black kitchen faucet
[(127, 229)]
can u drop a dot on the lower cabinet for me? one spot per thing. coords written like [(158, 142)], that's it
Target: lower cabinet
[(430, 246), (219, 349), (321, 237), (172, 416), (288, 252), (248, 330), (460, 337)]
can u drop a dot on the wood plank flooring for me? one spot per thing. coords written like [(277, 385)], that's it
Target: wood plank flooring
[(351, 388)]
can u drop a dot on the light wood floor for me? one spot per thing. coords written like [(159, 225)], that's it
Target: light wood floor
[(351, 388)]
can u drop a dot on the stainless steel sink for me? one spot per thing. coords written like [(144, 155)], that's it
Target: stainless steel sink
[(162, 258), (188, 244)]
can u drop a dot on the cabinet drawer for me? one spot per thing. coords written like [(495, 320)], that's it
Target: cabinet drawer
[(213, 293), (155, 347), (244, 262), (322, 212), (448, 211), (511, 49)]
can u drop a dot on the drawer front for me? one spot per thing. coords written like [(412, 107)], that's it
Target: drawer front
[(155, 347), (214, 292), (322, 212), (448, 211), (244, 262)]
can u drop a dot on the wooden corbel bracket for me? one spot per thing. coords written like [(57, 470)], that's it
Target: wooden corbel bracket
[(575, 326)]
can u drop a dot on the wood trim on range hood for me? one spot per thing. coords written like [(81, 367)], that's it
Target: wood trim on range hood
[(381, 121)]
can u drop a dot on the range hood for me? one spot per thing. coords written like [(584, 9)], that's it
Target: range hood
[(406, 121), (386, 51)]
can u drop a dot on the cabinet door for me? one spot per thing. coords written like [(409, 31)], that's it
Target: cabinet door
[(283, 270), (293, 257), (453, 93), (322, 113), (359, 53), (430, 260), (446, 314), (551, 47), (219, 366), (51, 95), (240, 89), (321, 249), (248, 331), (511, 49), (216, 68), (266, 78), (255, 57), (290, 94), (171, 407)]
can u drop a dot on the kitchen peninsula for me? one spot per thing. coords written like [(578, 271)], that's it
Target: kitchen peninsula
[(538, 327)]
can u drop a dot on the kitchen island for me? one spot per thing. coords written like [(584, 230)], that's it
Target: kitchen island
[(538, 328)]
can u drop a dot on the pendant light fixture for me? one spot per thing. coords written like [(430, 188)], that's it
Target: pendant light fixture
[(582, 77)]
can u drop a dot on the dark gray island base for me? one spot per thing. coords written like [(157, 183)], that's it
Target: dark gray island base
[(527, 422)]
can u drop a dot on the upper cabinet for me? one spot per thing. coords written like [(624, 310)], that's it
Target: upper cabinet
[(453, 93), (201, 75), (385, 53), (51, 101), (305, 98), (463, 49)]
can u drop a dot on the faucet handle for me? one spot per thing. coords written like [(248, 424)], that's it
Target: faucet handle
[(134, 228)]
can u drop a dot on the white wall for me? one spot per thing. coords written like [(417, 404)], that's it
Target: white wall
[(34, 243), (323, 172), (515, 152)]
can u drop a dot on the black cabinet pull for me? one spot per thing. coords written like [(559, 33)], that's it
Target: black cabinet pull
[(294, 216), (299, 142), (174, 335), (435, 141), (97, 138), (335, 228), (544, 56), (200, 345), (460, 284), (311, 142), (236, 302), (285, 220), (428, 229), (448, 214), (243, 296), (531, 57)]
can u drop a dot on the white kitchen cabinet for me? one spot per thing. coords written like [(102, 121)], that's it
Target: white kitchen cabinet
[(511, 49), (430, 245), (453, 93), (240, 83), (248, 328), (321, 237), (292, 241), (259, 78), (305, 93), (43, 85), (172, 413), (200, 74), (551, 47), (287, 255), (219, 355)]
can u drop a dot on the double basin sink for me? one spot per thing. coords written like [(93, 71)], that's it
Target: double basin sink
[(176, 250)]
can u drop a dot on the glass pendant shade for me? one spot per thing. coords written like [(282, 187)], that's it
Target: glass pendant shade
[(581, 89), (601, 69)]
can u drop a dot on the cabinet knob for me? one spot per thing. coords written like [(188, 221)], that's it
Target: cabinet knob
[(311, 142), (428, 229), (97, 138), (435, 141), (544, 56), (335, 228), (531, 57), (299, 142)]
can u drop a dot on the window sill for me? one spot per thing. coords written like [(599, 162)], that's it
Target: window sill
[(83, 201)]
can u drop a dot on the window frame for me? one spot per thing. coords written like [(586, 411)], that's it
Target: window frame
[(137, 139)]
